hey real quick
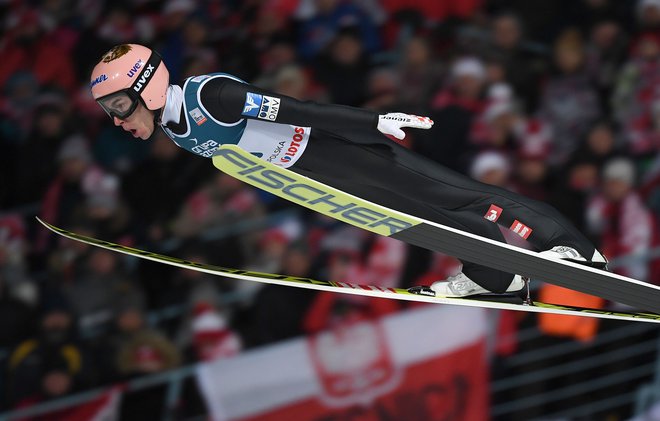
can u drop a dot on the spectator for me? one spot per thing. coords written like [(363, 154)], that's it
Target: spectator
[(635, 83), (383, 268), (279, 55), (52, 126), (491, 168), (648, 16), (189, 285), (222, 201), (128, 320), (293, 81), (504, 128), (419, 75), (13, 264), (290, 304), (77, 174), (569, 103), (29, 47), (532, 176), (208, 335), (620, 218), (453, 110), (522, 67), (96, 288), (16, 317), (175, 15), (643, 133), (52, 360), (605, 54), (343, 69), (146, 352), (324, 20)]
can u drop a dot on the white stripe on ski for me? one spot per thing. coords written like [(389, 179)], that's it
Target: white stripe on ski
[(343, 287)]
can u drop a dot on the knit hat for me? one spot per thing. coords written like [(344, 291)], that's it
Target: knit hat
[(468, 66), (621, 169), (489, 161), (74, 147)]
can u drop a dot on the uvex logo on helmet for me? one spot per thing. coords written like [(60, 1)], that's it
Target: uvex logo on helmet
[(144, 78)]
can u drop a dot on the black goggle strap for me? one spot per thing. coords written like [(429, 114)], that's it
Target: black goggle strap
[(146, 73)]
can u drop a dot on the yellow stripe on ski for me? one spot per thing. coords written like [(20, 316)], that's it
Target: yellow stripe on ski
[(311, 194)]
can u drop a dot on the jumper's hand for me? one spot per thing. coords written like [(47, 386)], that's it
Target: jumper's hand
[(392, 123)]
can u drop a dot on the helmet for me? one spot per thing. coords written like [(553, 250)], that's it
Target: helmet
[(126, 74)]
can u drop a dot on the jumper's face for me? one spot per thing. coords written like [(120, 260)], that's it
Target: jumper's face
[(140, 123)]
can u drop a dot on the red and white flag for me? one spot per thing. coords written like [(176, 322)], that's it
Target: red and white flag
[(424, 364)]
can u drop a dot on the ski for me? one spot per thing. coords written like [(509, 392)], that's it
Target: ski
[(420, 294), (430, 235)]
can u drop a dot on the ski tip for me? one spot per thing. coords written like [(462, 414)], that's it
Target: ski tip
[(42, 222)]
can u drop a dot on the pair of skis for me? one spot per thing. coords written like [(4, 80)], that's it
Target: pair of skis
[(417, 231)]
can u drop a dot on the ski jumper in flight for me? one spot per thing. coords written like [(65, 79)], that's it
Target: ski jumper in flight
[(343, 147)]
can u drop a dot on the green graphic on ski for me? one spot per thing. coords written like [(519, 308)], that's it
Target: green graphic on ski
[(430, 235), (350, 288)]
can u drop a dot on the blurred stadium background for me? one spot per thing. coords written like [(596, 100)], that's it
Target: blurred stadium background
[(555, 99)]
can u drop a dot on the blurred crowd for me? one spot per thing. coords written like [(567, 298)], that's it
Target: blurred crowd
[(556, 99)]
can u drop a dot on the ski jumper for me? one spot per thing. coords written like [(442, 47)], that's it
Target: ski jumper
[(340, 146)]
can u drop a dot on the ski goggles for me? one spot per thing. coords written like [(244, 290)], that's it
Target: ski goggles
[(122, 104), (119, 104)]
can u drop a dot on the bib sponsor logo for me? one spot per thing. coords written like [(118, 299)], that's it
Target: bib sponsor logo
[(521, 229), (252, 104), (276, 152), (493, 213), (317, 197), (144, 78), (133, 71), (206, 149), (269, 108), (198, 116), (294, 145), (102, 78)]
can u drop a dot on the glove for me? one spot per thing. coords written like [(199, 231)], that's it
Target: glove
[(391, 124)]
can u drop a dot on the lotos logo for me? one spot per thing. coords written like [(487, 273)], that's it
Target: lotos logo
[(294, 145), (144, 78), (100, 79), (134, 69)]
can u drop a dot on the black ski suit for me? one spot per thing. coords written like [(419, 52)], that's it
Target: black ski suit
[(346, 151)]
